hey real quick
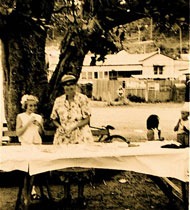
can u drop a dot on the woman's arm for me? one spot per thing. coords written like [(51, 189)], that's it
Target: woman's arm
[(56, 123), (83, 122), (20, 129), (79, 124), (59, 126)]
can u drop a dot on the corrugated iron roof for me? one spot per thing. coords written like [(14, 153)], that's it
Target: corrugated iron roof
[(121, 58), (159, 76), (185, 57)]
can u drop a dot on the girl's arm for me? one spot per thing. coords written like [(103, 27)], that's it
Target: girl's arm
[(186, 130), (20, 129), (159, 134), (40, 126), (186, 126), (177, 126)]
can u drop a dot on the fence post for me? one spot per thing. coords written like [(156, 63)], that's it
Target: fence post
[(1, 97), (187, 92), (146, 91)]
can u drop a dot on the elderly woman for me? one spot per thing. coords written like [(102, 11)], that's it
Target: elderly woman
[(71, 115)]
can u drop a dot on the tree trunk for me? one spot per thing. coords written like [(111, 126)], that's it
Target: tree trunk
[(72, 53), (24, 71), (23, 36)]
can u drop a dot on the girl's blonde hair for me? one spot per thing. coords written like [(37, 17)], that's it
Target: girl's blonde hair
[(26, 98)]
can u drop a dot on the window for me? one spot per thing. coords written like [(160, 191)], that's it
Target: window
[(161, 70), (155, 70), (95, 75), (84, 75), (101, 75), (113, 75), (89, 75), (158, 69), (123, 84)]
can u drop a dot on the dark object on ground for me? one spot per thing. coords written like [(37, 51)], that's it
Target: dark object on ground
[(134, 98), (173, 146)]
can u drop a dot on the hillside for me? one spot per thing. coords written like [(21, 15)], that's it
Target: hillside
[(144, 36)]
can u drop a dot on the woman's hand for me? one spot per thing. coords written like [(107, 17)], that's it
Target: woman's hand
[(71, 128), (61, 129), (66, 130)]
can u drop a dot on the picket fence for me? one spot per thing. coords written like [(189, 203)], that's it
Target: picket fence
[(149, 90)]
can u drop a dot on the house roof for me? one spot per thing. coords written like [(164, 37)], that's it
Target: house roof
[(184, 71), (185, 57), (161, 76), (121, 58)]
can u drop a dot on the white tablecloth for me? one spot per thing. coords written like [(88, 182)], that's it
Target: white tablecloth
[(147, 158)]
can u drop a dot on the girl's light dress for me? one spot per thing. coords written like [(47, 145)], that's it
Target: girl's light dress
[(31, 134)]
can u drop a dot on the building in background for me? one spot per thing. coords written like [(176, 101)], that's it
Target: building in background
[(124, 65), (150, 76), (52, 59)]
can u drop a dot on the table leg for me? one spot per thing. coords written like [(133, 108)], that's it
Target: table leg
[(23, 198), (185, 195), (166, 189), (81, 199), (67, 190), (21, 185), (66, 201), (80, 190), (45, 178)]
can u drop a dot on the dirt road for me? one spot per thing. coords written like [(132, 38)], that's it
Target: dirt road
[(130, 120)]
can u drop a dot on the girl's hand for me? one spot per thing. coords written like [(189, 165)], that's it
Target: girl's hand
[(31, 120), (35, 122), (177, 126)]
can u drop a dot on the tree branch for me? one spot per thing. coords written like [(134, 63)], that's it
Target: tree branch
[(61, 8)]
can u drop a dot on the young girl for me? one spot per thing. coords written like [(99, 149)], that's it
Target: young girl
[(183, 125), (29, 125), (153, 129)]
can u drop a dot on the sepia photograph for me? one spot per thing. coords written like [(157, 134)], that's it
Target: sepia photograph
[(94, 104)]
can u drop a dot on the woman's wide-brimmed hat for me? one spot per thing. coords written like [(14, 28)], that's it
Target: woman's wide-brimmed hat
[(68, 78)]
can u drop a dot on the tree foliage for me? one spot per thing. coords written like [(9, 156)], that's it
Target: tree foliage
[(85, 25)]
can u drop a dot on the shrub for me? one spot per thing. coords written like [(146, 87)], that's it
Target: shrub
[(134, 98)]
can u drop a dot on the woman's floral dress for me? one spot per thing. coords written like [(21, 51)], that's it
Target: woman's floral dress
[(68, 114)]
